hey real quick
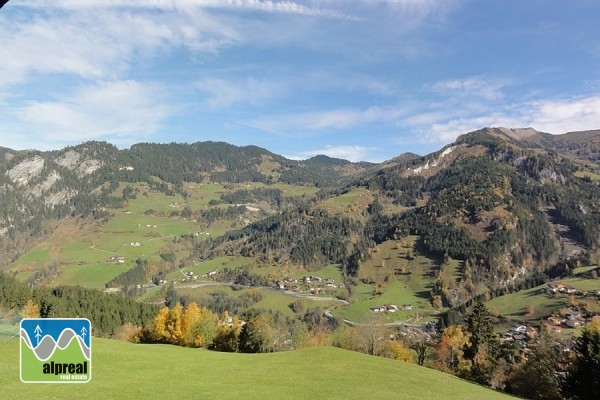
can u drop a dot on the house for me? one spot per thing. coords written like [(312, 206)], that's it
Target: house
[(553, 328), (408, 307), (391, 307), (574, 323), (553, 321), (554, 287)]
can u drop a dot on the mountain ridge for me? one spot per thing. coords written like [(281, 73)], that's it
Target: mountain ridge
[(495, 198)]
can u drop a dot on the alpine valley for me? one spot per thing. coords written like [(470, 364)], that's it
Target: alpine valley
[(505, 219)]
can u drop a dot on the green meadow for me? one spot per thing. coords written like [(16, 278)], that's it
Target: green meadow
[(526, 305), (128, 371)]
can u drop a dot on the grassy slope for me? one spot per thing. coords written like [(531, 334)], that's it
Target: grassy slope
[(123, 371), (514, 305)]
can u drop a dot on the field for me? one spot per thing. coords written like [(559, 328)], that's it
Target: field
[(144, 227), (126, 371), (394, 274), (514, 306)]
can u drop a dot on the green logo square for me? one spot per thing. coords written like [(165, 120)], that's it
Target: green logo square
[(56, 350)]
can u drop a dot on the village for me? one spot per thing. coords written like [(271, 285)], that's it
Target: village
[(564, 320)]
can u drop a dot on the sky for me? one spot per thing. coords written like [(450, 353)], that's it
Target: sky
[(355, 79)]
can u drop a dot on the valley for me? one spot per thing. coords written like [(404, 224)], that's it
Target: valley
[(318, 252)]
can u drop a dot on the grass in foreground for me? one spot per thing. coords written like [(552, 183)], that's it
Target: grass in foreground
[(125, 371)]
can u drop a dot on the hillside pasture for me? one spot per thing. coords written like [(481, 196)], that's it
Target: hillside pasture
[(518, 306), (127, 371), (582, 284), (350, 203), (395, 293), (90, 275)]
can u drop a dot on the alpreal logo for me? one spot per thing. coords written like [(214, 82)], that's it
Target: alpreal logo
[(56, 350)]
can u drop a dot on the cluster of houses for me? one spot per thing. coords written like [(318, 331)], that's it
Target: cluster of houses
[(116, 260), (574, 319), (392, 308), (313, 284), (189, 276), (557, 287), (519, 333), (553, 324)]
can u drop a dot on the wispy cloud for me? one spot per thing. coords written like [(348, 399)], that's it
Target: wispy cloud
[(101, 43), (474, 87), (223, 93), (119, 110), (271, 6), (330, 119)]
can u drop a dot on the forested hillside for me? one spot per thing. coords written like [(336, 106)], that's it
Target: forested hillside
[(513, 204), (238, 249)]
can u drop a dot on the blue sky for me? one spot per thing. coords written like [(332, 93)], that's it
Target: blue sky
[(355, 79)]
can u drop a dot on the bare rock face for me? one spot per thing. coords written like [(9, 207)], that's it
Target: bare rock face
[(59, 198), (22, 173), (69, 159), (77, 162), (39, 189), (88, 167)]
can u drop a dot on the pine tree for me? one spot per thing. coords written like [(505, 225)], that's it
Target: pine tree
[(582, 380)]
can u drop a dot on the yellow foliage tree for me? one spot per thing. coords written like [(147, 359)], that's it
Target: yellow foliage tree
[(159, 328), (31, 310), (400, 352), (174, 331), (450, 350), (190, 318)]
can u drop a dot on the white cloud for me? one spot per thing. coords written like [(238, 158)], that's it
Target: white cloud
[(346, 152), (330, 119), (223, 93), (474, 87), (101, 43), (271, 6), (551, 116), (110, 110), (560, 116)]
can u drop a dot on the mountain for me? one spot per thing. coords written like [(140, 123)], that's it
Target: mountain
[(80, 180), (514, 206)]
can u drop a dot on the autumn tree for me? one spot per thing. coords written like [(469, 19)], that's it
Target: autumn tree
[(399, 351), (31, 310), (191, 326), (449, 352), (368, 337)]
